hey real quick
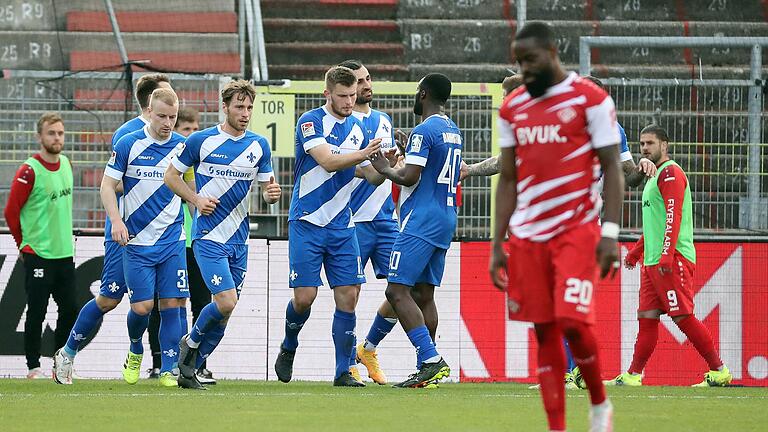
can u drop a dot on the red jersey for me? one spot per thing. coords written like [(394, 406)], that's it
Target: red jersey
[(555, 137)]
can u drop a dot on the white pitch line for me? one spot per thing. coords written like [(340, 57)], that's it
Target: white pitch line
[(295, 394)]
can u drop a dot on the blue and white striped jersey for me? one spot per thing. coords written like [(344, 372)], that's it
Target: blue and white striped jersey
[(428, 208), (130, 126), (320, 197), (371, 202), (151, 211), (225, 167)]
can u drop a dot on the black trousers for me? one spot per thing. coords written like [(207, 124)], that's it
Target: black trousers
[(45, 278), (199, 295)]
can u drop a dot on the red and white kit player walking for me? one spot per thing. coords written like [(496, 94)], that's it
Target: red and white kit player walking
[(553, 131)]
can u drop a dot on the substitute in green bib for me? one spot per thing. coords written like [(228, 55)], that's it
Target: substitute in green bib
[(669, 260), (39, 216)]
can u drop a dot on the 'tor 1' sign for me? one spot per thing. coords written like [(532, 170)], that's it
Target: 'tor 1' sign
[(274, 118)]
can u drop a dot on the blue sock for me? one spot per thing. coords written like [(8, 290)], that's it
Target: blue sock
[(343, 332), (569, 357), (209, 343), (137, 325), (86, 322), (208, 319), (380, 329), (353, 354), (183, 320), (425, 348), (169, 335), (293, 324)]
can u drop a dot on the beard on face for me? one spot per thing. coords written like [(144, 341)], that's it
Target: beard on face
[(541, 82), (339, 111), (418, 106), (363, 99), (53, 148), (235, 124)]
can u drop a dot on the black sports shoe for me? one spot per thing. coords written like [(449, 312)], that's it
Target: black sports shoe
[(190, 383), (205, 376), (187, 360), (154, 373), (284, 364), (429, 373), (346, 380)]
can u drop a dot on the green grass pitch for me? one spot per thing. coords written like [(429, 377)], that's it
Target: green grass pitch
[(100, 405)]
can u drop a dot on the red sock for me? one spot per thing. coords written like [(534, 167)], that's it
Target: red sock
[(551, 371), (701, 340), (585, 352), (647, 336)]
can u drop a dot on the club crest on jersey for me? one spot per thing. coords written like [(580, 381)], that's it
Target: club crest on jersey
[(566, 114), (540, 134), (307, 129), (416, 143)]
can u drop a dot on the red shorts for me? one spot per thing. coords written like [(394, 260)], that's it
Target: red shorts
[(556, 278), (671, 292)]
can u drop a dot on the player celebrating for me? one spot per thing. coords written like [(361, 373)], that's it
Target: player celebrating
[(553, 130), (151, 227), (373, 213), (113, 285), (227, 159), (428, 212), (669, 259), (330, 143)]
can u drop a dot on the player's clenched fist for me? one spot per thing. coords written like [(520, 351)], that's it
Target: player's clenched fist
[(272, 191), (206, 205)]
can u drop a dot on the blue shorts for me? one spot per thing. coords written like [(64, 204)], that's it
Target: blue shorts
[(376, 239), (311, 247), (415, 261), (222, 265), (112, 274), (156, 269)]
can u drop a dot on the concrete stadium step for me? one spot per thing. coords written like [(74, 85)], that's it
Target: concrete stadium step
[(193, 62), (379, 72), (41, 50), (549, 10), (330, 9), (327, 53), (164, 22), (41, 15), (488, 41), (313, 30), (114, 100)]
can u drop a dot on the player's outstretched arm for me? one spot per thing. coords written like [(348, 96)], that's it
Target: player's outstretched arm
[(335, 162), (271, 191), (488, 167), (506, 202), (635, 174), (613, 192), (404, 176), (109, 201)]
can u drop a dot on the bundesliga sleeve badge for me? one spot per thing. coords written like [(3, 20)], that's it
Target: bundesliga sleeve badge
[(112, 158), (416, 143), (307, 129)]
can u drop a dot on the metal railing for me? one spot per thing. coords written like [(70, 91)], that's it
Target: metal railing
[(747, 121)]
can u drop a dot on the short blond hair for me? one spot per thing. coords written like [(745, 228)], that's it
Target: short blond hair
[(239, 87), (339, 75), (48, 118), (165, 95)]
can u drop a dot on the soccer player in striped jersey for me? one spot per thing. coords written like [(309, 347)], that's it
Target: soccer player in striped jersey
[(227, 158), (150, 228), (553, 132), (373, 212), (113, 285), (428, 220), (330, 144)]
